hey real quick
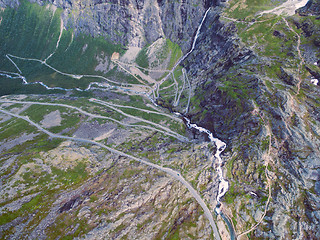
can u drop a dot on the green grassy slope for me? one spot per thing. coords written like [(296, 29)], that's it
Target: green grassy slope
[(32, 31)]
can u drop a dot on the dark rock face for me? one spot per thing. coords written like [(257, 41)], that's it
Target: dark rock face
[(230, 86), (229, 83), (132, 22), (70, 204), (312, 8), (313, 73), (217, 51), (10, 3), (287, 78), (317, 187), (180, 19), (278, 34)]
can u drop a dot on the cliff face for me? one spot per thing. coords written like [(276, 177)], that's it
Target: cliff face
[(219, 52), (268, 115), (132, 22), (312, 8), (259, 100)]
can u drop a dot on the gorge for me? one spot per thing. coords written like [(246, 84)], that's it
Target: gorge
[(112, 112)]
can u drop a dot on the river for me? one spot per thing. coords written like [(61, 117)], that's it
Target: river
[(223, 184)]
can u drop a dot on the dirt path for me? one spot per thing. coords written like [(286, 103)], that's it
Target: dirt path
[(267, 157), (188, 53), (299, 54), (169, 171), (169, 131), (189, 97), (92, 115), (180, 92), (136, 88)]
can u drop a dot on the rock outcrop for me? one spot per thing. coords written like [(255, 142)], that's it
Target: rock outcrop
[(132, 22), (264, 107), (312, 8), (263, 125)]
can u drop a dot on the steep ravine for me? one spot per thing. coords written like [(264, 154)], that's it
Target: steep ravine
[(40, 230), (236, 102), (249, 100), (131, 22)]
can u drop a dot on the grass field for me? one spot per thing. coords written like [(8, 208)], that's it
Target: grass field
[(32, 31), (246, 9)]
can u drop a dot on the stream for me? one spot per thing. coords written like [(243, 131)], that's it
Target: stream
[(223, 184)]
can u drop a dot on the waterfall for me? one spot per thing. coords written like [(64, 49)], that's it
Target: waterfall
[(223, 184)]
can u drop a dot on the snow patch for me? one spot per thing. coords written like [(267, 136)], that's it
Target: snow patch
[(314, 81), (253, 194)]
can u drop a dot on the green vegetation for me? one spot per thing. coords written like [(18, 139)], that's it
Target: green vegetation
[(37, 112), (63, 223), (93, 198), (120, 76), (246, 9), (15, 128), (178, 74), (235, 89), (32, 31), (175, 51), (128, 173), (71, 176), (15, 86), (148, 116), (142, 59), (231, 194), (70, 118), (34, 204), (175, 230), (19, 28), (170, 50), (262, 33), (70, 121), (36, 176), (80, 56), (229, 166)]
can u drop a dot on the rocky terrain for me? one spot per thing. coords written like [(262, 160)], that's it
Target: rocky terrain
[(131, 23), (271, 120), (252, 79)]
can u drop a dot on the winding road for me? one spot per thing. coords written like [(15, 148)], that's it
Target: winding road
[(223, 185), (140, 109), (299, 54), (124, 86), (187, 54), (169, 171), (169, 131), (189, 97), (175, 135)]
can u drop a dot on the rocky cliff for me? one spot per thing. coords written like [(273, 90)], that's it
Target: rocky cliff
[(269, 115), (312, 8), (254, 86), (132, 22)]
